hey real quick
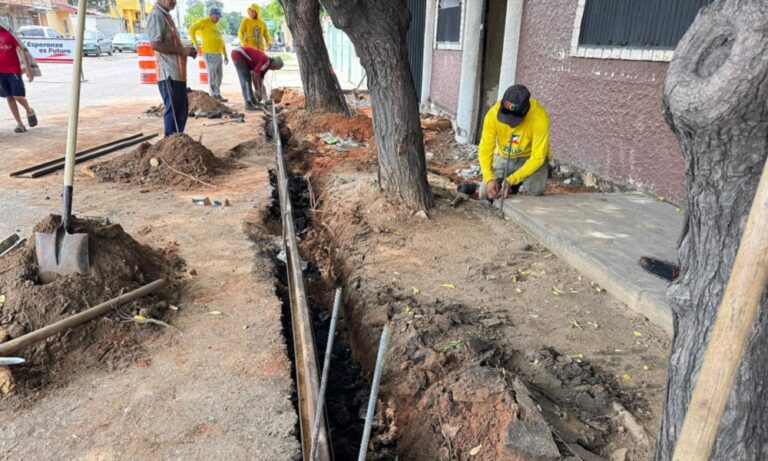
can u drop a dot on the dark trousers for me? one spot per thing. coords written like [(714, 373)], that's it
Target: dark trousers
[(246, 81), (174, 95)]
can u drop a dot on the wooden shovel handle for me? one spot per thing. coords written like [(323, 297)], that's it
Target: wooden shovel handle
[(733, 327)]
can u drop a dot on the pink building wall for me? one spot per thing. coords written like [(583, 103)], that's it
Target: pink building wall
[(605, 115), (446, 77)]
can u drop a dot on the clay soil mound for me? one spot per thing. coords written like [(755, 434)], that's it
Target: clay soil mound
[(358, 128), (119, 264), (179, 152), (199, 102)]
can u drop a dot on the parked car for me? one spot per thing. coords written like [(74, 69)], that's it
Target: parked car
[(125, 42), (142, 38), (38, 32), (95, 43)]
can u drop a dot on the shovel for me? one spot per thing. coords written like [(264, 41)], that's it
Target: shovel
[(62, 252)]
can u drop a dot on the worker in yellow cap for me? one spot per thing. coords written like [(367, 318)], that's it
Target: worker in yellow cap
[(253, 30)]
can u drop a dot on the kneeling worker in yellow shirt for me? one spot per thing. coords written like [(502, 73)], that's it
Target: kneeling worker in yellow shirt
[(214, 50), (515, 133)]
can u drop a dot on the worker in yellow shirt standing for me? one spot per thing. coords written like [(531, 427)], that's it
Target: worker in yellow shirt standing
[(515, 139), (253, 30), (213, 48)]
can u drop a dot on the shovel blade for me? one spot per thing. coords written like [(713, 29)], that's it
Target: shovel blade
[(69, 257)]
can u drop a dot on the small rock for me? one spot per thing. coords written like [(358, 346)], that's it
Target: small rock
[(7, 383), (531, 442), (227, 202), (422, 214), (492, 322), (430, 155), (193, 272), (154, 162), (619, 455), (15, 330)]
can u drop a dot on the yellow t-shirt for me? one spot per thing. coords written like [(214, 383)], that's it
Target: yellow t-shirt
[(528, 139), (210, 33)]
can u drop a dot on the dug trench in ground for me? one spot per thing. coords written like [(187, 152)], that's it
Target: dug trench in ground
[(219, 387), (499, 351)]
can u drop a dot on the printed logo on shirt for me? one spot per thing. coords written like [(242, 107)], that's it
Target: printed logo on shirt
[(513, 148)]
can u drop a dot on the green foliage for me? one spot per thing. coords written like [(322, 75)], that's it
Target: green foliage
[(233, 18), (274, 13), (198, 9)]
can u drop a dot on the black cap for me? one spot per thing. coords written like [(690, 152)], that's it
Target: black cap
[(514, 105)]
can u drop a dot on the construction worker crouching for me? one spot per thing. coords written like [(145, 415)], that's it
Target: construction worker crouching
[(252, 64), (213, 48), (253, 30), (515, 139)]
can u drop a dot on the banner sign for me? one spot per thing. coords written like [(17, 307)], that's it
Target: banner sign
[(51, 49)]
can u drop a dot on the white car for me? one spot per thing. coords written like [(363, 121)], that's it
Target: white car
[(38, 32)]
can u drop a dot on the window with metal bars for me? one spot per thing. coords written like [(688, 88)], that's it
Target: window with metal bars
[(654, 24), (449, 21)]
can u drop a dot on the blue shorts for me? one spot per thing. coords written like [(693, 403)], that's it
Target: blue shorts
[(11, 85)]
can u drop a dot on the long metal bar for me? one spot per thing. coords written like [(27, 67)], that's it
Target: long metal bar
[(374, 392), (92, 155), (15, 345), (324, 379), (79, 154), (307, 377)]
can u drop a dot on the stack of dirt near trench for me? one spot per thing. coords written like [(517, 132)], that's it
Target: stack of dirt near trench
[(200, 104), (458, 383), (177, 161), (119, 264)]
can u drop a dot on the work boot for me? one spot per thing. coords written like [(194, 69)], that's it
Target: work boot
[(249, 106), (220, 98), (20, 129)]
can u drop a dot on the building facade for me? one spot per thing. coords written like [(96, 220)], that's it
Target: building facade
[(598, 66), (17, 13)]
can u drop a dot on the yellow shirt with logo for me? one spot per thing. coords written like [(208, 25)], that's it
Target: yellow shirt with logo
[(254, 33), (210, 34), (528, 139)]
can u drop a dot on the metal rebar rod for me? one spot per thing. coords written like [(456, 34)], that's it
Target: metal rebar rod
[(374, 392), (324, 378), (78, 155), (15, 345)]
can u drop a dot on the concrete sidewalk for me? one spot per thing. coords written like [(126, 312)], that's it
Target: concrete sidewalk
[(604, 236)]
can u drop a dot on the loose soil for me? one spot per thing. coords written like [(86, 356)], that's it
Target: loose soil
[(179, 162), (200, 103), (119, 264), (499, 351)]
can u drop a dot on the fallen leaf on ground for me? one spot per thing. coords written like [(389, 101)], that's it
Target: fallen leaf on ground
[(557, 291), (215, 313), (407, 309), (448, 285), (576, 324), (139, 318), (626, 377), (453, 344), (415, 290), (646, 367), (476, 450), (637, 333)]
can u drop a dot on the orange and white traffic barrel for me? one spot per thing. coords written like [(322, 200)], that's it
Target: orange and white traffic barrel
[(147, 64), (203, 71)]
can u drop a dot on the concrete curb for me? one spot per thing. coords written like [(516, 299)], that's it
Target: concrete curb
[(649, 303)]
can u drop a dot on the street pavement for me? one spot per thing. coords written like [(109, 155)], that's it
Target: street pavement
[(111, 80)]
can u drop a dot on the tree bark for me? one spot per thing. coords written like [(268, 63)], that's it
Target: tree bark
[(321, 87), (715, 101), (377, 30)]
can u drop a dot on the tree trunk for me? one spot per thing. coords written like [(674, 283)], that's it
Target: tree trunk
[(377, 30), (321, 87), (715, 101)]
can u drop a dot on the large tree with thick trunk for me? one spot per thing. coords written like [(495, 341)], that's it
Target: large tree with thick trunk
[(716, 101), (377, 30), (321, 87)]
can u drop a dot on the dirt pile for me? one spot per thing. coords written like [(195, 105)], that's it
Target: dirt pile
[(177, 161), (357, 128), (119, 264), (200, 103)]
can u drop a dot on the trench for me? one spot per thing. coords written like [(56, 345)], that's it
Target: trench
[(348, 388)]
